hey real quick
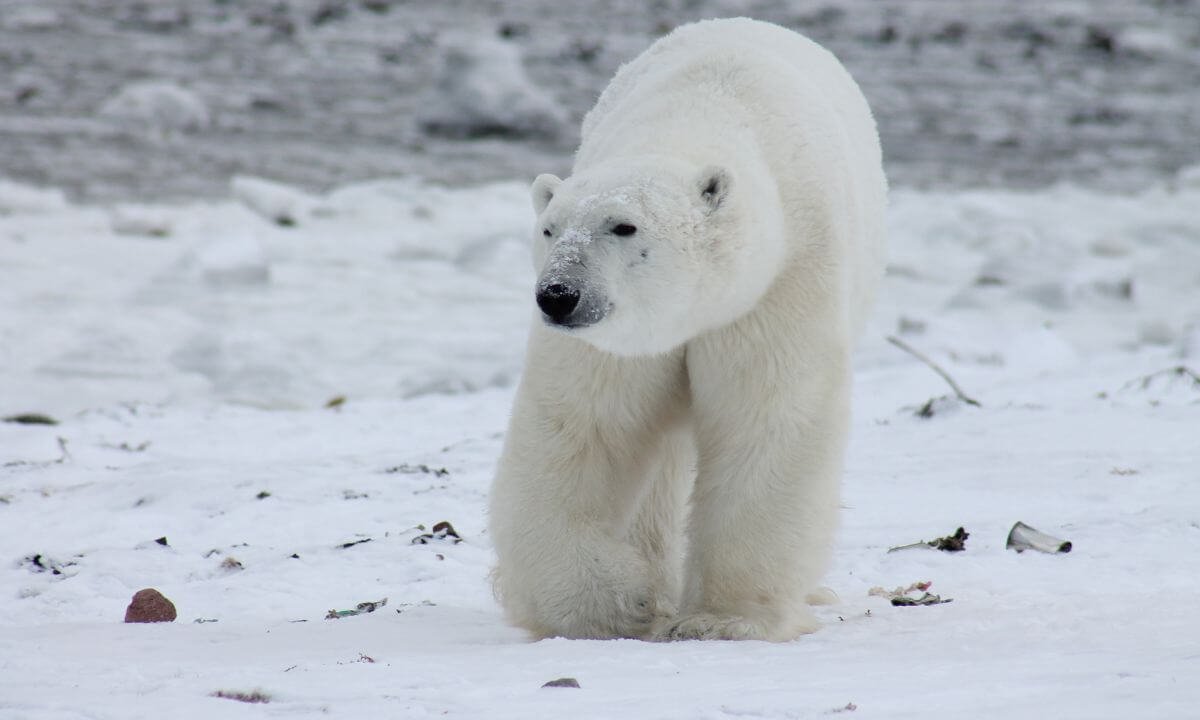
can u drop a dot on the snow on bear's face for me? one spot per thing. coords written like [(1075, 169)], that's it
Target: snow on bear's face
[(638, 260)]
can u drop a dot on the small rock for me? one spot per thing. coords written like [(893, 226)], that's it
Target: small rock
[(567, 682), (149, 606), (909, 326), (330, 10), (1100, 39)]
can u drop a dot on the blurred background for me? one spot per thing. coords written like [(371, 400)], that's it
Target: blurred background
[(168, 99)]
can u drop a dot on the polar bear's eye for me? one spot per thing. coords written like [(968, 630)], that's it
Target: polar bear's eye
[(546, 232), (623, 229)]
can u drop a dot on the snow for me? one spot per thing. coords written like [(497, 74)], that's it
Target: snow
[(17, 198), (196, 372), (139, 219)]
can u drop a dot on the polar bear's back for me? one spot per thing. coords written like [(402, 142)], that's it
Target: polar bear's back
[(797, 84), (749, 38)]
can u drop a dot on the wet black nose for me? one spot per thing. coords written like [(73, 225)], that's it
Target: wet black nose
[(557, 301)]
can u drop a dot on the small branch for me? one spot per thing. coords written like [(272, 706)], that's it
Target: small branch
[(1180, 371), (935, 367)]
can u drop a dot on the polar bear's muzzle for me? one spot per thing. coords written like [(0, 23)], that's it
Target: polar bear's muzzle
[(569, 302)]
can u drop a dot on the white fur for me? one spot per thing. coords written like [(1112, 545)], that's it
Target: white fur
[(673, 462)]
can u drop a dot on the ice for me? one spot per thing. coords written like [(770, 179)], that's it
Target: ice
[(144, 220), (1152, 41), (18, 197), (1188, 178), (157, 105), (234, 258), (275, 201), (482, 89), (30, 18)]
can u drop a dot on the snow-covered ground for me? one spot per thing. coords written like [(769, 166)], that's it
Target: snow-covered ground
[(191, 353)]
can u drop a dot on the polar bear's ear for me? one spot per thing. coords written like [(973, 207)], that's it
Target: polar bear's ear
[(542, 191), (714, 186)]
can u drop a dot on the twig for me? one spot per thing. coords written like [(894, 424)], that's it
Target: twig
[(66, 454), (935, 367), (1182, 371)]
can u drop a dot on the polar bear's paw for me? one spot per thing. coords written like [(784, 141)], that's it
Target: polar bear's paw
[(600, 600), (706, 626), (821, 596), (614, 612), (714, 626)]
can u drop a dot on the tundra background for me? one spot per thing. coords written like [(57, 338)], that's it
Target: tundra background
[(321, 92)]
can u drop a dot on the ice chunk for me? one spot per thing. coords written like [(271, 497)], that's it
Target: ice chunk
[(144, 220), (482, 89), (31, 19), (157, 104), (1151, 41), (16, 198), (279, 203), (234, 258), (1188, 178)]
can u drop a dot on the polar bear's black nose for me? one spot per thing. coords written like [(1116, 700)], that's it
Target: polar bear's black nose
[(557, 300)]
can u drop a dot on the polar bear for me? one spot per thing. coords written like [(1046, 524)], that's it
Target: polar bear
[(673, 461)]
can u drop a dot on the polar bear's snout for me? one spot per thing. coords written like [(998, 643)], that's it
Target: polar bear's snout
[(568, 293), (557, 301), (569, 303)]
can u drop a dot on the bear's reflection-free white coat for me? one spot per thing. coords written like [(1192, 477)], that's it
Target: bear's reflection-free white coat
[(673, 462)]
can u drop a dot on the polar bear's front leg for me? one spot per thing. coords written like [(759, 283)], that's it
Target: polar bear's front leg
[(771, 416), (582, 443), (563, 567)]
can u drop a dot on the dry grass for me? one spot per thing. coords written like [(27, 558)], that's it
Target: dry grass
[(254, 696)]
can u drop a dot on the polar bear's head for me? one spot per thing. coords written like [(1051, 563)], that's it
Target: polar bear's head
[(638, 259)]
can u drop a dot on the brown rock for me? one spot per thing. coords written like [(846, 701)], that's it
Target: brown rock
[(149, 606)]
